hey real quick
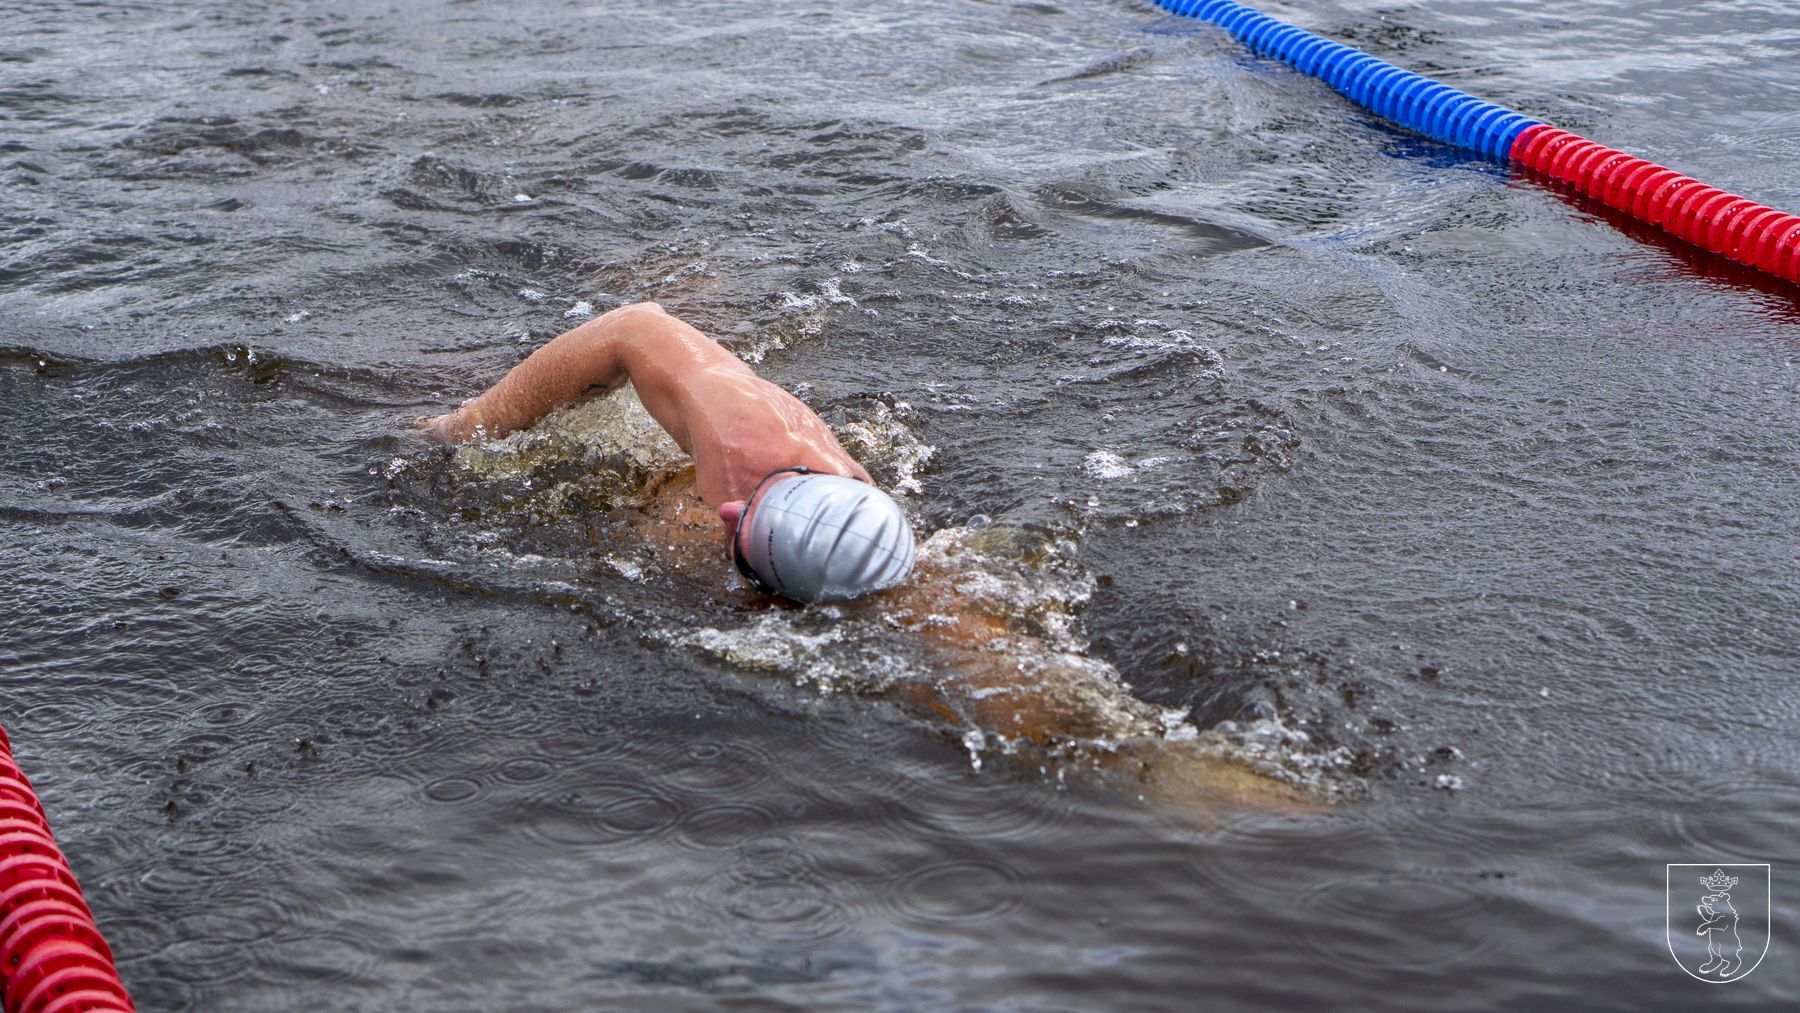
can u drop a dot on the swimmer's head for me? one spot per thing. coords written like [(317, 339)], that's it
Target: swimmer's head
[(813, 537)]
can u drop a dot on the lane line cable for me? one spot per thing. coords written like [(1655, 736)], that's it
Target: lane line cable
[(52, 956), (1706, 216)]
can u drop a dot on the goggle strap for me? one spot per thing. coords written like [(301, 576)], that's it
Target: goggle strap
[(741, 558)]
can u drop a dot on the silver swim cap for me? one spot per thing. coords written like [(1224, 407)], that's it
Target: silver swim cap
[(813, 537)]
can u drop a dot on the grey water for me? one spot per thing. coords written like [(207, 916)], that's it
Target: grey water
[(1451, 498)]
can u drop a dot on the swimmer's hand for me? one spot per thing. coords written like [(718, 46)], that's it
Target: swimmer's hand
[(450, 427), (1201, 789)]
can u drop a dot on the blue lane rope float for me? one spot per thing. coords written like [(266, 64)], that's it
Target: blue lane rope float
[(1706, 216), (1418, 103)]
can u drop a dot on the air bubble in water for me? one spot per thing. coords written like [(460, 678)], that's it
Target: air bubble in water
[(974, 741)]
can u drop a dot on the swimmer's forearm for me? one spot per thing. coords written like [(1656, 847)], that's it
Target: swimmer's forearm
[(590, 357)]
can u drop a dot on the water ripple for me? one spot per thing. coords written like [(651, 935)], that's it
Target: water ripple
[(590, 812), (960, 891)]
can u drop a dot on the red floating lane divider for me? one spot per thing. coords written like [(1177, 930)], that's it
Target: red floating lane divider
[(1729, 225), (52, 956)]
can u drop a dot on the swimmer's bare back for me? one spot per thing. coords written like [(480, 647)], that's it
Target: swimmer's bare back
[(985, 673), (737, 426)]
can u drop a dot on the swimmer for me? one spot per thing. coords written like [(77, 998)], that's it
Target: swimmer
[(800, 516), (800, 519)]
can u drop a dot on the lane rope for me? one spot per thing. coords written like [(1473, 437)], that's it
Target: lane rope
[(52, 956), (1729, 225)]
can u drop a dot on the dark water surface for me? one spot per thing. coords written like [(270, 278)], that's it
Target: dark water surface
[(1406, 477)]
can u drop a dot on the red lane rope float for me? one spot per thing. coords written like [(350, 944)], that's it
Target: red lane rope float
[(1729, 225), (52, 956)]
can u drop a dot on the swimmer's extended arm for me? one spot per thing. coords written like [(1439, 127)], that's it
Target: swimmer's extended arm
[(638, 343), (738, 426)]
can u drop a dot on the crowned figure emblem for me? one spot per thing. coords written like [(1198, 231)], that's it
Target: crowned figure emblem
[(1719, 926)]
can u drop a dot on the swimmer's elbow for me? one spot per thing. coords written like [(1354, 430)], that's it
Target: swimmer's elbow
[(632, 327), (638, 311)]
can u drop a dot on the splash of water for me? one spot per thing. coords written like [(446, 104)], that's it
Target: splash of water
[(986, 638)]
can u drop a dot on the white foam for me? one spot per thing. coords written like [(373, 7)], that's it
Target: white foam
[(1106, 465), (615, 424), (881, 438)]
